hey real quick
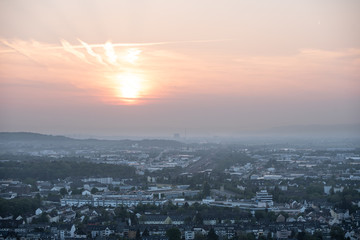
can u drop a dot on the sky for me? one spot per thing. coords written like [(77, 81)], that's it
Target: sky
[(116, 68)]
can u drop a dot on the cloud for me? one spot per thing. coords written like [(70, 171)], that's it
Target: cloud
[(110, 53), (21, 48), (91, 52), (69, 48), (120, 44), (171, 72)]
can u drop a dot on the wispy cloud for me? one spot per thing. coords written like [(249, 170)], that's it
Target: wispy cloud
[(20, 49), (87, 46), (172, 72), (69, 48), (91, 52)]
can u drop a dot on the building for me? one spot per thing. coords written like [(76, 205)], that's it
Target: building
[(106, 201), (264, 199)]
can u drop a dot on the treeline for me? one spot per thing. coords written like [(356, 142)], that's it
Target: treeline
[(19, 206), (226, 159), (60, 169)]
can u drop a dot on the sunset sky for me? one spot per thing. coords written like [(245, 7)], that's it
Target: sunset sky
[(119, 68)]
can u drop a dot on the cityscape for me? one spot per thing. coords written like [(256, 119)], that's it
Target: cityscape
[(179, 120), (55, 187)]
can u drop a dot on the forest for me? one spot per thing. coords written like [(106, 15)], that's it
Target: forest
[(59, 169)]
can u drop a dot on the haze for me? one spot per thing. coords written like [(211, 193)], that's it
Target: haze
[(159, 67)]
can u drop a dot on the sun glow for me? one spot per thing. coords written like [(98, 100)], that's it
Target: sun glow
[(129, 86), (132, 55)]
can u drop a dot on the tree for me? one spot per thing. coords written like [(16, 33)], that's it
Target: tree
[(145, 233), (94, 190), (138, 236), (198, 219), (250, 236), (63, 191), (318, 235), (173, 234), (206, 189), (120, 212), (212, 235), (199, 236), (269, 236), (42, 219), (76, 191), (18, 206), (187, 221), (260, 215), (301, 236), (337, 233)]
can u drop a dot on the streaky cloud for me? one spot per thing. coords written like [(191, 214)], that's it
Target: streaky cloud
[(82, 46), (14, 48), (69, 48), (91, 52)]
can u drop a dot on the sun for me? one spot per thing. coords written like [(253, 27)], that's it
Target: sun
[(129, 86)]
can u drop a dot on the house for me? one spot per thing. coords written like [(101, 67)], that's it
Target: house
[(209, 220), (280, 218), (291, 219), (338, 189), (200, 230), (327, 189), (44, 186), (53, 218), (22, 229), (220, 231), (86, 193), (83, 209), (155, 237), (57, 187), (66, 231), (189, 235), (158, 229), (156, 219), (8, 195), (68, 216), (177, 219), (163, 219), (38, 212), (29, 219), (301, 219), (63, 209), (102, 231), (283, 234)]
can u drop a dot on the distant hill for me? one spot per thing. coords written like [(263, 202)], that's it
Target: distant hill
[(37, 137), (28, 136), (317, 130)]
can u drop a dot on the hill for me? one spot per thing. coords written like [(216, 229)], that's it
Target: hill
[(28, 137)]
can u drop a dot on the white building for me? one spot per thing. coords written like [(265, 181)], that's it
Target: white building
[(264, 199), (189, 235), (104, 201)]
